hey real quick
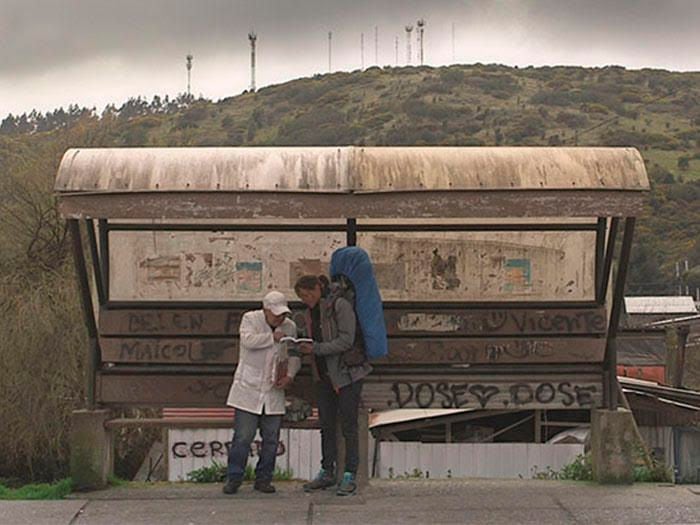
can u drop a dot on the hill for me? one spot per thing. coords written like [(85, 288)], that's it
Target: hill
[(654, 110)]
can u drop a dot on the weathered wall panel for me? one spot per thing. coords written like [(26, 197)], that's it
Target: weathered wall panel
[(502, 391), (227, 266), (448, 266), (435, 266)]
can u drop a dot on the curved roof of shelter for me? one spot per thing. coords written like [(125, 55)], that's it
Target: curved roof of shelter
[(349, 169)]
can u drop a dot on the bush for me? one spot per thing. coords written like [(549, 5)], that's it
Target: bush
[(580, 469), (216, 473)]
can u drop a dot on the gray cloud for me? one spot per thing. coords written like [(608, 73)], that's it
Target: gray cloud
[(142, 43)]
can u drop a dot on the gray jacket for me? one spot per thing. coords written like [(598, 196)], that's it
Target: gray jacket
[(339, 333)]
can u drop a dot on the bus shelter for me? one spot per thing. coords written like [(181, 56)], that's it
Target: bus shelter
[(502, 270)]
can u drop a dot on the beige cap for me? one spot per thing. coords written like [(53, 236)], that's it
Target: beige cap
[(276, 303)]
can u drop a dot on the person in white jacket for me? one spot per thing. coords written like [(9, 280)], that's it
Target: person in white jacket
[(264, 370)]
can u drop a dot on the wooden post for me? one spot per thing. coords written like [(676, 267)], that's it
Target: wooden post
[(363, 437)]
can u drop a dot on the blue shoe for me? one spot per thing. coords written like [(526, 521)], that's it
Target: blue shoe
[(347, 486)]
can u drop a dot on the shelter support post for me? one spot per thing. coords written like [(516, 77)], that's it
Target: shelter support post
[(363, 434), (613, 443), (610, 365), (91, 450), (88, 311)]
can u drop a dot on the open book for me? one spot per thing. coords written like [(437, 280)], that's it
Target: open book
[(295, 340)]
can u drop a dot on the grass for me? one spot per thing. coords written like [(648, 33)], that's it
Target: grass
[(39, 491)]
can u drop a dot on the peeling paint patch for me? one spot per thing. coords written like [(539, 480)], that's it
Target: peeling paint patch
[(306, 267), (444, 272), (391, 276), (417, 322), (199, 269), (518, 275), (165, 268), (249, 276)]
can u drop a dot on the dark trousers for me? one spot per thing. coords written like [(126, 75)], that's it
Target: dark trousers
[(345, 403), (244, 426)]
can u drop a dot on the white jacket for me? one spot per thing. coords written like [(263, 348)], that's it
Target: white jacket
[(253, 382)]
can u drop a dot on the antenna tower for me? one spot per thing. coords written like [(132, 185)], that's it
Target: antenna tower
[(362, 51), (330, 41), (188, 59), (420, 25), (252, 37), (376, 45), (409, 28)]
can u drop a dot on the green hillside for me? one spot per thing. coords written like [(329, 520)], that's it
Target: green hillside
[(653, 110)]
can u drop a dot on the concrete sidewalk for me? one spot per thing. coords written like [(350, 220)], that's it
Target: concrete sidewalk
[(404, 501)]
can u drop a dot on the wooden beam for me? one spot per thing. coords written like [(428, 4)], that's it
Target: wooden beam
[(495, 391), (307, 205), (402, 351), (399, 321)]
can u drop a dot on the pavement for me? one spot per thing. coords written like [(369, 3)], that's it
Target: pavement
[(383, 502)]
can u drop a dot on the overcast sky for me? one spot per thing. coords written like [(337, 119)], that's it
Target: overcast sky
[(93, 52)]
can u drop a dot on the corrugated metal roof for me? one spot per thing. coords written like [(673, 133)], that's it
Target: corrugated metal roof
[(390, 417), (681, 304), (349, 169)]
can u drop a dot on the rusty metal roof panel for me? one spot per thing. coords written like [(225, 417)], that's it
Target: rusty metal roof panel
[(203, 169), (496, 168), (350, 169)]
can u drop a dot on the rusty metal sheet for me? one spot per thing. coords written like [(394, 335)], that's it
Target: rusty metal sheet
[(350, 169), (521, 321), (409, 205), (487, 350), (190, 350), (204, 169), (563, 392), (389, 169), (164, 321), (402, 351)]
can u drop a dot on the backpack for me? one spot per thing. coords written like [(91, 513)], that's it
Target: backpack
[(352, 269)]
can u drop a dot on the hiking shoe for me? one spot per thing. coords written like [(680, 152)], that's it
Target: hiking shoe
[(264, 486), (231, 487), (323, 480), (347, 485)]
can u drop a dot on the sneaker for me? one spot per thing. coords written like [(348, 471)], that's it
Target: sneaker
[(264, 486), (323, 480), (231, 487), (347, 485)]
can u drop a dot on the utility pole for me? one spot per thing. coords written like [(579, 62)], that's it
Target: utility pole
[(188, 64), (454, 60), (409, 29), (396, 49), (420, 25), (252, 37)]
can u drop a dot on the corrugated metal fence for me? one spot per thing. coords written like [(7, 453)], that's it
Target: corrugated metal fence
[(300, 453), (472, 460)]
